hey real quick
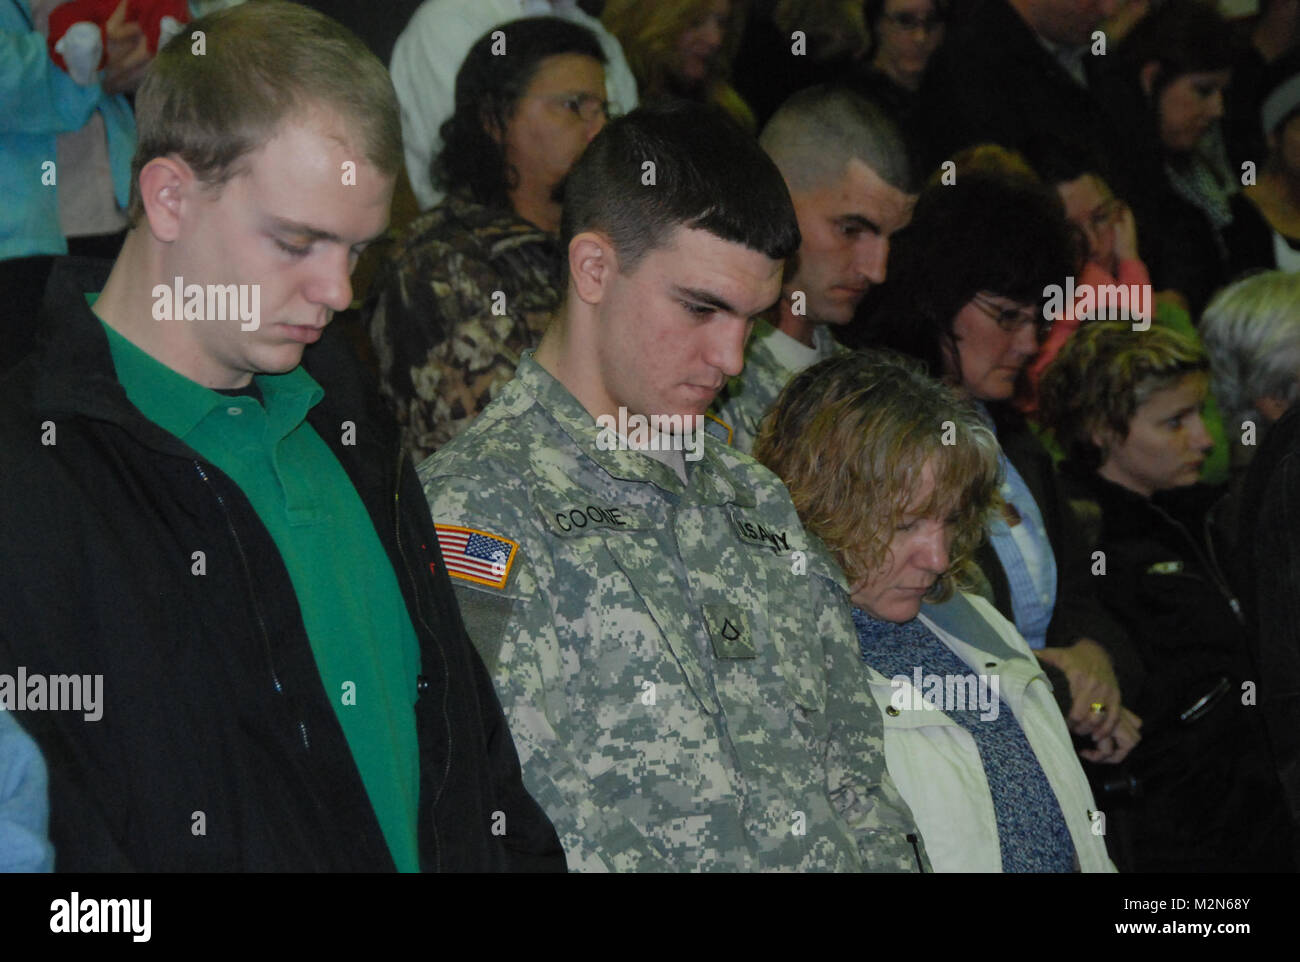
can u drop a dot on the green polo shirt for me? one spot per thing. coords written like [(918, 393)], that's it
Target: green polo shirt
[(356, 618)]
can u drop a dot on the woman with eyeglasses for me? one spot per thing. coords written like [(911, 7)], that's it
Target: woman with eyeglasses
[(520, 124), (1109, 268), (904, 35), (965, 293)]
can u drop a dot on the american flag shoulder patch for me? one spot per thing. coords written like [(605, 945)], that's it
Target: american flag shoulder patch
[(478, 556)]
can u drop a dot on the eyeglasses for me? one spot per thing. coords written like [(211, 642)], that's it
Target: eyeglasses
[(910, 21), (1012, 319), (585, 107)]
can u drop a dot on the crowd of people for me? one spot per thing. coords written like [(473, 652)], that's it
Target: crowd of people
[(770, 435)]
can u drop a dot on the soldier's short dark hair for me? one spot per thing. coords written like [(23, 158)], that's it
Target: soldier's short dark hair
[(678, 164)]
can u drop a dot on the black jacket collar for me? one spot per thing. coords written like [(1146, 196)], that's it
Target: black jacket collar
[(1128, 511), (74, 372)]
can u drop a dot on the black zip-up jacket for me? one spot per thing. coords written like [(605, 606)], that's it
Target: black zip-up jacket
[(1210, 798), (1163, 584), (218, 748)]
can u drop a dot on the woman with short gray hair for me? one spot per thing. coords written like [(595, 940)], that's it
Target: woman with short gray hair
[(1251, 331)]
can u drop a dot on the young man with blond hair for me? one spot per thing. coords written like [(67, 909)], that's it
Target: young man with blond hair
[(213, 519)]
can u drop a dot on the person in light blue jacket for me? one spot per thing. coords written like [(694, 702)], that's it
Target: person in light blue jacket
[(39, 102), (24, 802)]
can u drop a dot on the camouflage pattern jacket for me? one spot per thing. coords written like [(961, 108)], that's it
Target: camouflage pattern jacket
[(769, 366), (466, 291), (680, 673)]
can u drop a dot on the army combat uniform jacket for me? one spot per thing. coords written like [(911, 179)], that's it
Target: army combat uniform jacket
[(682, 682), (772, 358)]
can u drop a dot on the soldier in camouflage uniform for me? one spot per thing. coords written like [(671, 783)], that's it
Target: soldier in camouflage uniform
[(851, 184), (473, 282), (680, 676)]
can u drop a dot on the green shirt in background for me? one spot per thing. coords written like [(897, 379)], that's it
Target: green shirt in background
[(357, 621)]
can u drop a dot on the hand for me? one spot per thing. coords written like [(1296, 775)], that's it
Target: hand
[(128, 53), (1113, 750), (1125, 228), (1092, 682)]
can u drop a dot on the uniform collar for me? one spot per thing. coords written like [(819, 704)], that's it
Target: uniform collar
[(709, 482)]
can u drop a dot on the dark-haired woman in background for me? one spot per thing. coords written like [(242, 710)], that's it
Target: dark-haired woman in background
[(904, 35), (965, 295), (1167, 95), (443, 344), (1126, 406)]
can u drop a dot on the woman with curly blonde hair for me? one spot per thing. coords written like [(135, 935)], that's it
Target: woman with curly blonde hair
[(682, 48), (897, 475)]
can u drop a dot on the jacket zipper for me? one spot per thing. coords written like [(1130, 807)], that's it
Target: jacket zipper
[(1213, 569), (419, 616), (1209, 544), (248, 580)]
